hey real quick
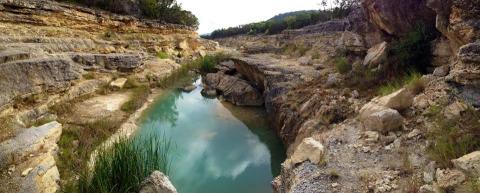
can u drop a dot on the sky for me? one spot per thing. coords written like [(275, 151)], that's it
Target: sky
[(216, 14)]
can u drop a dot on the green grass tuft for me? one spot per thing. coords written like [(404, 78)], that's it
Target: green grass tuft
[(122, 167), (342, 65), (162, 55), (454, 138), (413, 81)]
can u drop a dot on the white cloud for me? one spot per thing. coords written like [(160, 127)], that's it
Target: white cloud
[(215, 14)]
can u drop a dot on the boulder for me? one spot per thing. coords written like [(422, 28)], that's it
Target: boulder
[(399, 18), (310, 149), (380, 118), (469, 163), (332, 80), (371, 136), (234, 89), (209, 93), (351, 41), (305, 61), (157, 182), (118, 83), (189, 88), (376, 55), (399, 100), (449, 178), (455, 110)]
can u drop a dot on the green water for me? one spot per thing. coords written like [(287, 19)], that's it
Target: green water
[(220, 148)]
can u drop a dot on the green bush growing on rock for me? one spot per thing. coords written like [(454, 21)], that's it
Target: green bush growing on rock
[(122, 167), (342, 65)]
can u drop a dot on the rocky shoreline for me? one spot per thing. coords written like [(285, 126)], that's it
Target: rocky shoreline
[(342, 138)]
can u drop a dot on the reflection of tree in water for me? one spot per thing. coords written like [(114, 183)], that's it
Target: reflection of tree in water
[(166, 109)]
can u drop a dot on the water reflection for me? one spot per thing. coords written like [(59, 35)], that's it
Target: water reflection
[(217, 151)]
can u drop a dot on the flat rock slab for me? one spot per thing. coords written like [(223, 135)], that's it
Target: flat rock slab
[(99, 107), (31, 141)]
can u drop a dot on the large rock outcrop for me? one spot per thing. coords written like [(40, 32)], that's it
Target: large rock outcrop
[(35, 76), (457, 20), (234, 89), (397, 18)]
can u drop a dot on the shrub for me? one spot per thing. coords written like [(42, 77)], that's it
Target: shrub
[(132, 82), (342, 65), (138, 97), (162, 55), (411, 51), (454, 138), (123, 166), (412, 81)]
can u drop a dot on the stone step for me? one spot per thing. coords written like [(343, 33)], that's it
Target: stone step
[(53, 45), (13, 55)]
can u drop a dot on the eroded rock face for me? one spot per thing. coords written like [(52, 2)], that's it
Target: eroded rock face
[(234, 90), (466, 71), (457, 20), (35, 76), (157, 182), (31, 153), (397, 18)]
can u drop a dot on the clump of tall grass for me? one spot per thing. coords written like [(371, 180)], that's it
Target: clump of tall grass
[(413, 81), (453, 138), (122, 167)]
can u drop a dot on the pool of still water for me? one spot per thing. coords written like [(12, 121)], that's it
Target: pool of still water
[(219, 148)]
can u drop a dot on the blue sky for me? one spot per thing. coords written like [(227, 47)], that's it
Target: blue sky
[(215, 14)]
